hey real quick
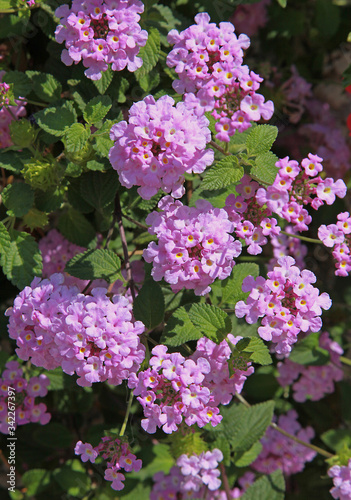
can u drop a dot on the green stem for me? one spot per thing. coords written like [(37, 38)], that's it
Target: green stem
[(135, 222), (346, 361), (219, 148), (29, 101), (322, 452), (303, 238), (124, 425)]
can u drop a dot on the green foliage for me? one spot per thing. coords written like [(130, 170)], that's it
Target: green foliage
[(260, 139), (36, 480), (45, 86), (180, 329), (229, 291), (103, 84), (76, 228), (22, 84), (308, 352), (245, 458), (269, 487), (95, 264), (96, 109), (264, 169), (256, 348), (98, 188), (14, 161), (57, 119), (149, 305), (150, 54), (20, 259), (223, 174), (18, 199), (76, 137)]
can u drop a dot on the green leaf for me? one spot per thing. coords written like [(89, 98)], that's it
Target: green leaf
[(22, 261), (264, 169), (22, 85), (45, 86), (260, 139), (14, 160), (18, 199), (96, 109), (222, 174), (75, 227), (337, 439), (35, 481), (149, 305), (95, 264), (75, 483), (5, 240), (245, 458), (103, 143), (180, 329), (53, 435), (308, 352), (214, 323), (150, 53), (269, 487), (327, 18), (252, 426), (150, 81), (99, 189), (76, 137), (99, 166), (230, 290), (56, 120), (259, 352), (48, 201), (283, 3), (103, 84)]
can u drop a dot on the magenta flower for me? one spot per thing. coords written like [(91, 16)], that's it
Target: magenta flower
[(159, 145), (100, 33)]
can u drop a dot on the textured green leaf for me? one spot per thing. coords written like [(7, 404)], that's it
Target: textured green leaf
[(56, 120), (264, 169), (216, 198), (180, 329), (222, 174), (49, 201), (99, 166), (337, 439), (36, 480), (76, 137), (283, 3), (269, 487), (260, 139), (18, 199), (259, 352), (45, 86), (308, 352), (211, 321), (96, 109), (5, 240), (14, 160), (75, 227), (245, 458), (103, 84), (150, 53), (22, 85), (95, 264), (21, 261), (229, 290), (149, 81), (103, 143), (149, 305), (99, 189)]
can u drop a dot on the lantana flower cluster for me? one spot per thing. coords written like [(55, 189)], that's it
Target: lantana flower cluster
[(313, 382), (194, 245), (174, 390), (287, 301), (100, 33), (341, 475), (284, 245), (27, 409), (90, 335), (117, 455), (252, 222), (193, 475), (296, 186), (281, 452), (338, 237), (160, 143), (208, 60)]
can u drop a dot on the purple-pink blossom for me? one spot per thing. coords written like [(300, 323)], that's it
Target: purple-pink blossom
[(209, 62), (194, 245), (100, 33), (341, 475), (287, 301), (158, 145), (338, 237)]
